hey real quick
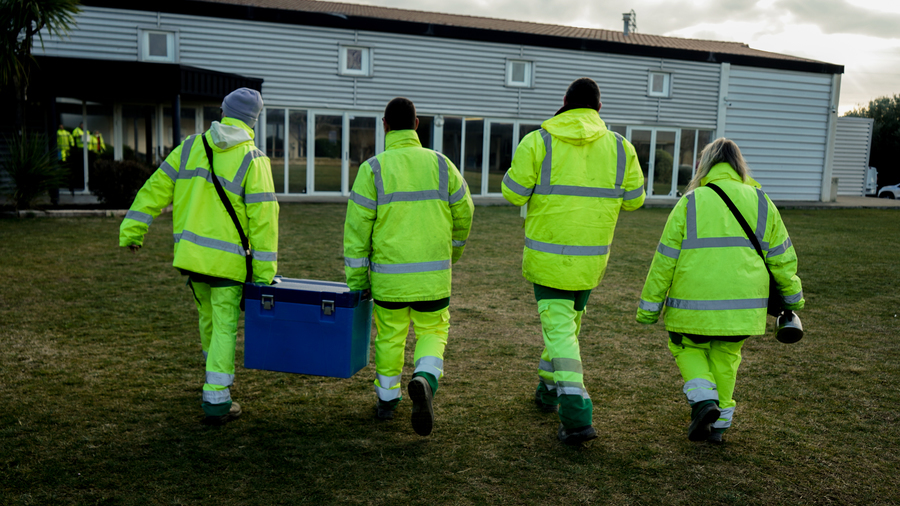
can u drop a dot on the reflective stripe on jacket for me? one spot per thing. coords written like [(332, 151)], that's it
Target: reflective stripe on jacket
[(706, 271), (206, 240), (408, 219), (575, 176)]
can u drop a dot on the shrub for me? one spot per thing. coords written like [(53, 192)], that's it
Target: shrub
[(116, 183), (33, 169)]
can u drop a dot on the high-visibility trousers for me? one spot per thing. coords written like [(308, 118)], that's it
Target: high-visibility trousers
[(560, 370), (392, 325), (219, 308), (710, 373)]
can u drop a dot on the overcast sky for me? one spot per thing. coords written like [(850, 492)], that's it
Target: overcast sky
[(861, 35)]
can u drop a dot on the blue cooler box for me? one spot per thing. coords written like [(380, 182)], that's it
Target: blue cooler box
[(306, 327)]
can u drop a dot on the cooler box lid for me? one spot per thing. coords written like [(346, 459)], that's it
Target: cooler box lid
[(305, 291)]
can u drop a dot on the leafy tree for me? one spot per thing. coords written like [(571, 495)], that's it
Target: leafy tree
[(885, 136), (20, 21)]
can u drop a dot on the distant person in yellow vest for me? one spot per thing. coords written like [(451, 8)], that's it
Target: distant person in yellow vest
[(64, 142), (208, 247), (79, 136), (96, 143), (408, 220)]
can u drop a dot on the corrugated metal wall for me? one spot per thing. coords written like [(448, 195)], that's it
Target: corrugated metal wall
[(442, 76), (780, 121), (852, 145)]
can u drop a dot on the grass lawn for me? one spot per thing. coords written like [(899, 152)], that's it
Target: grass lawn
[(100, 375)]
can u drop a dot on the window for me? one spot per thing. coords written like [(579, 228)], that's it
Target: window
[(157, 45), (356, 61), (520, 73), (660, 84)]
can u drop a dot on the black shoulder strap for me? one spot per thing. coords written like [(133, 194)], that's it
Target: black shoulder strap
[(245, 242), (740, 218)]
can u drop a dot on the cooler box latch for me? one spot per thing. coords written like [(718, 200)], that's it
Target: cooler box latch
[(328, 307), (267, 301)]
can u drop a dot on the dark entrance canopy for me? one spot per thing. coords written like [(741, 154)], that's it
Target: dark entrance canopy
[(110, 80), (134, 81)]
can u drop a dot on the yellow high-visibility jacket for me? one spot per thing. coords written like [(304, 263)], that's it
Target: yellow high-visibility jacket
[(408, 219), (206, 240), (706, 271), (78, 135), (96, 144), (64, 143), (575, 176)]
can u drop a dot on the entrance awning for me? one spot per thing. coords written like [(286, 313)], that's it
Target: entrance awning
[(133, 81)]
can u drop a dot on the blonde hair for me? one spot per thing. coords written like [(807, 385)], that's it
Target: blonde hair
[(721, 150)]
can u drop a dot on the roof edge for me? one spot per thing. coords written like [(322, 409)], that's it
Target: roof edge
[(350, 22)]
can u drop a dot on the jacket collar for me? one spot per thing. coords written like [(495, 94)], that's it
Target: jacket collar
[(722, 171), (401, 139)]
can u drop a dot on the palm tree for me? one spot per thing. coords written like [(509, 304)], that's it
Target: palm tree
[(20, 21)]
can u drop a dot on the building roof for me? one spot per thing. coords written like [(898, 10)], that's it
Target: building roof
[(413, 22)]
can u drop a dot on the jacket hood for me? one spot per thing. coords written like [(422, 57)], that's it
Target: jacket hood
[(401, 139), (229, 133), (724, 170), (576, 126)]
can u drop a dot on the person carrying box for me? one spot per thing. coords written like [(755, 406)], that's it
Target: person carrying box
[(208, 247), (408, 219)]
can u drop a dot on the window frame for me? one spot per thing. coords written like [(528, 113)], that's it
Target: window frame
[(529, 73), (171, 45), (667, 84), (366, 63)]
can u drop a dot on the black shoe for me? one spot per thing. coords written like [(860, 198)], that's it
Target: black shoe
[(715, 438), (422, 411), (543, 406), (700, 425), (384, 411), (575, 436), (233, 414)]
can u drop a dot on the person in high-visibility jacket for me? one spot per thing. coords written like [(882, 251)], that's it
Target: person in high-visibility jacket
[(408, 220), (208, 247), (64, 142), (79, 135), (712, 284), (96, 143), (575, 176)]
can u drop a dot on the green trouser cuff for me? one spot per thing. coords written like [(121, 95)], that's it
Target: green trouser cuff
[(216, 409), (575, 411), (547, 397), (430, 379), (720, 431), (699, 405), (578, 297)]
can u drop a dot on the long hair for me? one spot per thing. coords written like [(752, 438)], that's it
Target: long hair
[(719, 151)]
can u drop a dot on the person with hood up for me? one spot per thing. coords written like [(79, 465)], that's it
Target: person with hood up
[(575, 175), (208, 247)]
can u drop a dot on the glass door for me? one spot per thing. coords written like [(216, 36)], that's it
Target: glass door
[(656, 151), (361, 145), (327, 159), (499, 152)]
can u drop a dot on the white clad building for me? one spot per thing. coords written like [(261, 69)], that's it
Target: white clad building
[(149, 73)]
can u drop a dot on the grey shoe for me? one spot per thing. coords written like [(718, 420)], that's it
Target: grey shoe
[(233, 414), (715, 438), (543, 406), (575, 436), (422, 411), (700, 428)]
